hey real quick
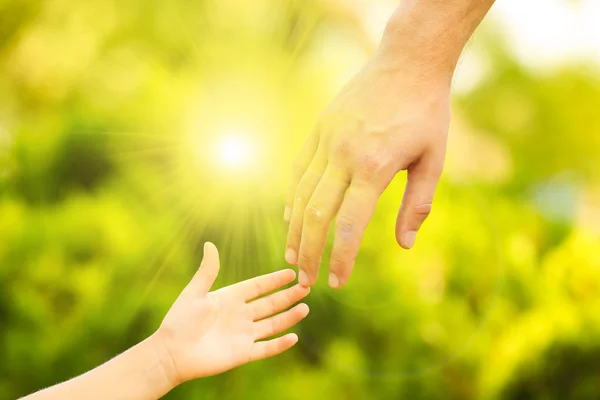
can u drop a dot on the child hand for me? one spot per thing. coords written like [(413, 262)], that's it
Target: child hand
[(205, 333)]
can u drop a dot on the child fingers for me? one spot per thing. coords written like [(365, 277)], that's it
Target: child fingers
[(207, 273), (255, 287), (270, 348), (272, 326), (277, 302)]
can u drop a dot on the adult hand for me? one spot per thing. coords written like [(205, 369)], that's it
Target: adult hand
[(393, 116), (389, 118)]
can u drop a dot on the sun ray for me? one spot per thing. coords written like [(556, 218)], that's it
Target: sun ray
[(197, 50), (177, 236), (131, 134), (277, 241), (125, 155)]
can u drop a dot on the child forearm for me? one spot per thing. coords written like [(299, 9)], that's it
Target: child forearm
[(137, 374)]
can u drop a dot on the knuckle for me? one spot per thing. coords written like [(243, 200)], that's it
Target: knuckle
[(277, 347), (423, 209), (345, 226), (337, 260), (305, 259), (338, 263), (287, 298), (313, 215), (343, 149), (300, 198), (273, 303), (309, 263), (257, 288), (303, 193), (371, 163)]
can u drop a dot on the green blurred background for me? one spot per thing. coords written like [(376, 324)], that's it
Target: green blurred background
[(132, 131)]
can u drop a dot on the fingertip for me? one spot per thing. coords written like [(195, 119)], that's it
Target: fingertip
[(290, 256), (210, 258), (302, 291), (399, 240), (285, 276), (303, 309), (301, 288), (339, 272), (408, 239), (292, 338), (334, 281), (291, 274), (210, 247), (400, 237), (303, 278)]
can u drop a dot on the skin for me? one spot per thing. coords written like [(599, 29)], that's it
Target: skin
[(203, 334), (393, 116)]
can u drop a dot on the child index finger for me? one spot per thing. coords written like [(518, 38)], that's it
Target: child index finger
[(261, 285)]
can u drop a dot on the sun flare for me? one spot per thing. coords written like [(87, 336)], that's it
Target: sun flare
[(234, 151)]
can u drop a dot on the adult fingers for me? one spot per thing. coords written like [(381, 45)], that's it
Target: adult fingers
[(270, 348), (272, 326), (277, 302), (416, 205), (300, 166), (320, 211), (354, 216), (261, 285), (304, 192)]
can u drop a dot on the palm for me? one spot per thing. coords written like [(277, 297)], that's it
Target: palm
[(229, 337), (207, 334)]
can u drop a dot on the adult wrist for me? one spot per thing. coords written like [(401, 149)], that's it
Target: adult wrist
[(419, 54), (429, 36)]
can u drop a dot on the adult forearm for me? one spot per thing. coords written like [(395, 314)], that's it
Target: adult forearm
[(431, 34), (137, 374)]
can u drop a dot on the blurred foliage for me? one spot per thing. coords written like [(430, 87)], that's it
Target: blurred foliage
[(111, 115)]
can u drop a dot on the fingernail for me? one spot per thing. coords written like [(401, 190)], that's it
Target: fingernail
[(303, 278), (334, 281), (287, 214), (409, 239), (305, 308), (290, 256)]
